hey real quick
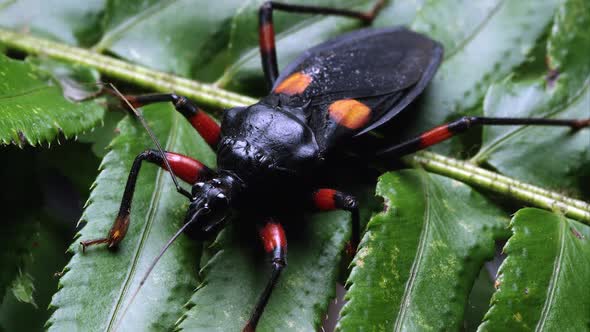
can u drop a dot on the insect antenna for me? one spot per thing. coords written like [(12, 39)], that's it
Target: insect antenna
[(152, 265), (155, 140)]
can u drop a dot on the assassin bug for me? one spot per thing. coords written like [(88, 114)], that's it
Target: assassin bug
[(268, 153)]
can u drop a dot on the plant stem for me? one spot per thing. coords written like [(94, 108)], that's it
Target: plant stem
[(471, 174), (213, 96), (202, 93)]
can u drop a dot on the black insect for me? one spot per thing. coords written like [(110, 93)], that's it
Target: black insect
[(269, 153)]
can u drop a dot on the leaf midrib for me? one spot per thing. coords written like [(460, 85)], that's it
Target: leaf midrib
[(27, 92), (484, 153), (555, 275), (149, 221), (108, 38), (475, 32), (404, 305)]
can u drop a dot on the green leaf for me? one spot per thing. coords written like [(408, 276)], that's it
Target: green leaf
[(103, 280), (568, 45), (518, 151), (71, 21), (45, 259), (165, 34), (398, 13), (77, 82), (34, 110), (543, 282), (237, 273), (23, 288), (432, 239), (418, 259), (16, 241), (484, 42), (222, 42)]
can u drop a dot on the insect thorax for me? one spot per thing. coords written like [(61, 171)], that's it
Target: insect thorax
[(266, 145)]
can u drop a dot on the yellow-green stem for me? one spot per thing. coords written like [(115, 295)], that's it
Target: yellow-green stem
[(526, 193), (206, 94)]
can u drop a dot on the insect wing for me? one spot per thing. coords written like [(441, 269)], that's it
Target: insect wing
[(359, 81)]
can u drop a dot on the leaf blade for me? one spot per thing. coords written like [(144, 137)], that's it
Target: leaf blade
[(517, 151), (411, 258), (106, 279), (34, 111), (533, 294), (70, 21), (44, 260), (480, 51), (234, 278)]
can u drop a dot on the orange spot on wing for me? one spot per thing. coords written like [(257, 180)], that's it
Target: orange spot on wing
[(350, 113), (294, 84)]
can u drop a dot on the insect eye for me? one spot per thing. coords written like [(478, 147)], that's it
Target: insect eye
[(221, 201), (205, 209), (197, 188)]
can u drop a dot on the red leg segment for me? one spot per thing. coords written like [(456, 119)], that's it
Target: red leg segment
[(203, 123), (435, 136), (188, 169), (274, 241), (206, 126), (267, 36), (326, 199), (446, 131)]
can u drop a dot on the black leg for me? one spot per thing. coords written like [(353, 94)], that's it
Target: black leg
[(203, 123), (267, 36), (329, 199), (188, 169), (446, 131), (274, 240)]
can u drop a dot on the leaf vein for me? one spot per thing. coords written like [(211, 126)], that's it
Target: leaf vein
[(109, 37), (553, 284), (476, 31), (149, 220), (402, 313), (519, 130), (27, 92)]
